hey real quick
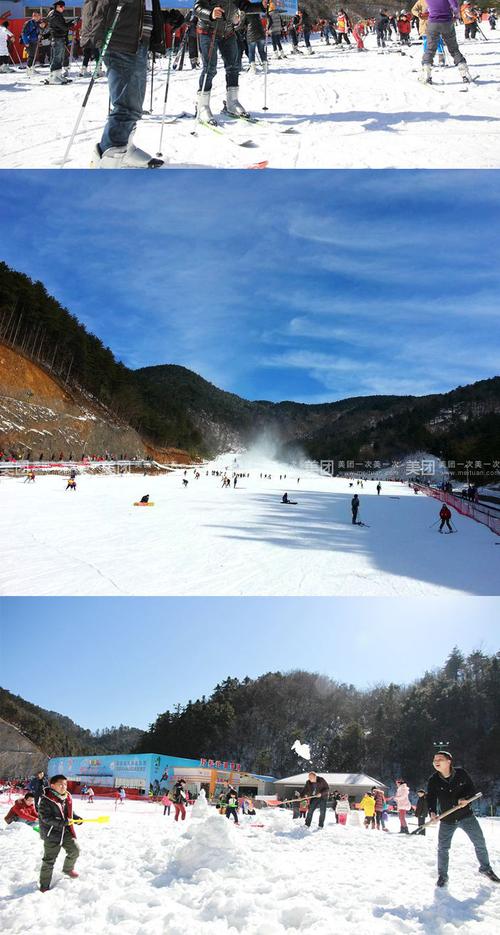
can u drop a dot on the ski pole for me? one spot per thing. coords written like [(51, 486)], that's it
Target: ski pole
[(480, 31), (152, 83), (169, 68), (265, 107), (181, 54), (434, 524), (107, 40)]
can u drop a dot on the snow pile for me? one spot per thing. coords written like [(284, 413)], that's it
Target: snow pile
[(145, 874), (200, 808)]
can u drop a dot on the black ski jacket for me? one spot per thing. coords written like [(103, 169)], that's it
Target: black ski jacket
[(255, 28), (447, 792), (53, 817), (57, 25), (224, 27), (98, 15), (422, 807), (320, 787)]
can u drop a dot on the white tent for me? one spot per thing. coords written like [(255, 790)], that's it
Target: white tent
[(355, 784)]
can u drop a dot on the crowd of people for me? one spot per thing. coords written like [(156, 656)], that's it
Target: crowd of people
[(234, 30)]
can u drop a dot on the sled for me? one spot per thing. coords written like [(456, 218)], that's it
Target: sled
[(150, 503)]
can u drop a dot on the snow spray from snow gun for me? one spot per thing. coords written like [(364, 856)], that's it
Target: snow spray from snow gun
[(456, 808), (107, 40)]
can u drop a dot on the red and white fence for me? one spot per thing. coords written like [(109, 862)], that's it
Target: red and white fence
[(476, 512)]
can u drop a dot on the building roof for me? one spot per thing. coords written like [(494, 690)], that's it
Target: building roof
[(333, 779)]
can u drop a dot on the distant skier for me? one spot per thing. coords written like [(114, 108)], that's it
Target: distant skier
[(355, 509), (71, 485), (379, 488), (445, 514), (449, 786), (185, 482), (285, 499)]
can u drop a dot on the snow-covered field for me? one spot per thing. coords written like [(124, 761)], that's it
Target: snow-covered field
[(142, 874), (205, 540), (351, 110)]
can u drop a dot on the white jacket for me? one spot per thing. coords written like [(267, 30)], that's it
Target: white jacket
[(4, 35)]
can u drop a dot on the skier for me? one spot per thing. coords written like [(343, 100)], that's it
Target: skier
[(440, 23), (5, 37), (421, 11), (58, 29), (449, 786), (402, 799), (30, 38), (256, 41), (343, 27), (421, 809), (306, 23), (71, 485), (382, 28), (57, 830), (355, 509), (316, 790), (404, 27), (276, 26), (445, 514), (140, 28), (216, 32), (469, 19), (23, 810)]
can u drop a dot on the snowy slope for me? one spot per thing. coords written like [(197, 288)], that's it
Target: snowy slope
[(205, 540), (144, 875), (361, 110)]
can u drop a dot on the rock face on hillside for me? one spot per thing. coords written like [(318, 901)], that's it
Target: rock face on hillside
[(19, 757), (40, 418)]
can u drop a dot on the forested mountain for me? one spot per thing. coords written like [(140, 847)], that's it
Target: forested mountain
[(386, 731), (58, 735), (172, 406)]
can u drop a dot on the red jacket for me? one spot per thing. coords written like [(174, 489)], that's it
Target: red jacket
[(21, 810), (444, 512)]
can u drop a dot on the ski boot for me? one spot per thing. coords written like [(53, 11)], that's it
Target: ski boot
[(442, 880), (464, 71), (252, 68), (426, 74), (441, 60), (124, 157), (57, 77), (203, 112), (7, 70), (309, 51), (84, 71), (233, 106)]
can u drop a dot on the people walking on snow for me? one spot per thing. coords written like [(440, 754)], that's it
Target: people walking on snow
[(216, 33), (316, 790), (57, 830), (403, 804), (447, 787), (140, 28), (445, 514), (355, 509), (440, 23)]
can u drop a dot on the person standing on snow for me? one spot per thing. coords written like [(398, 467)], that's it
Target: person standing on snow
[(449, 786), (58, 29), (57, 830), (355, 509), (421, 11), (37, 786), (316, 790), (421, 809), (30, 38), (5, 37), (276, 26), (440, 23), (231, 800), (402, 799), (139, 29), (216, 33), (179, 798)]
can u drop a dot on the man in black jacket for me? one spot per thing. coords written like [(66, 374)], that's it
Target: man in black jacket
[(58, 30), (139, 29), (38, 785), (57, 830), (217, 20), (447, 787), (316, 789)]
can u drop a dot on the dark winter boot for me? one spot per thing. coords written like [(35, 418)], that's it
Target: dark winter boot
[(441, 880), (490, 873)]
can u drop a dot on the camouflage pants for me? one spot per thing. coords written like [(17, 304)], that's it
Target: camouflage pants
[(50, 853)]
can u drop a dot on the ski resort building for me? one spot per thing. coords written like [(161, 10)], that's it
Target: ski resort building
[(151, 774), (354, 785)]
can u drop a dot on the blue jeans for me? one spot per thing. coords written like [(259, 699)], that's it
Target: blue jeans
[(473, 831), (127, 76), (260, 44), (228, 48), (57, 53), (313, 805)]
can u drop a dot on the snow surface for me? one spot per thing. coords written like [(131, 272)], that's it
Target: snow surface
[(361, 110), (205, 540), (143, 874)]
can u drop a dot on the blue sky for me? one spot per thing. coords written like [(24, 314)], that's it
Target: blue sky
[(299, 285), (105, 661)]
